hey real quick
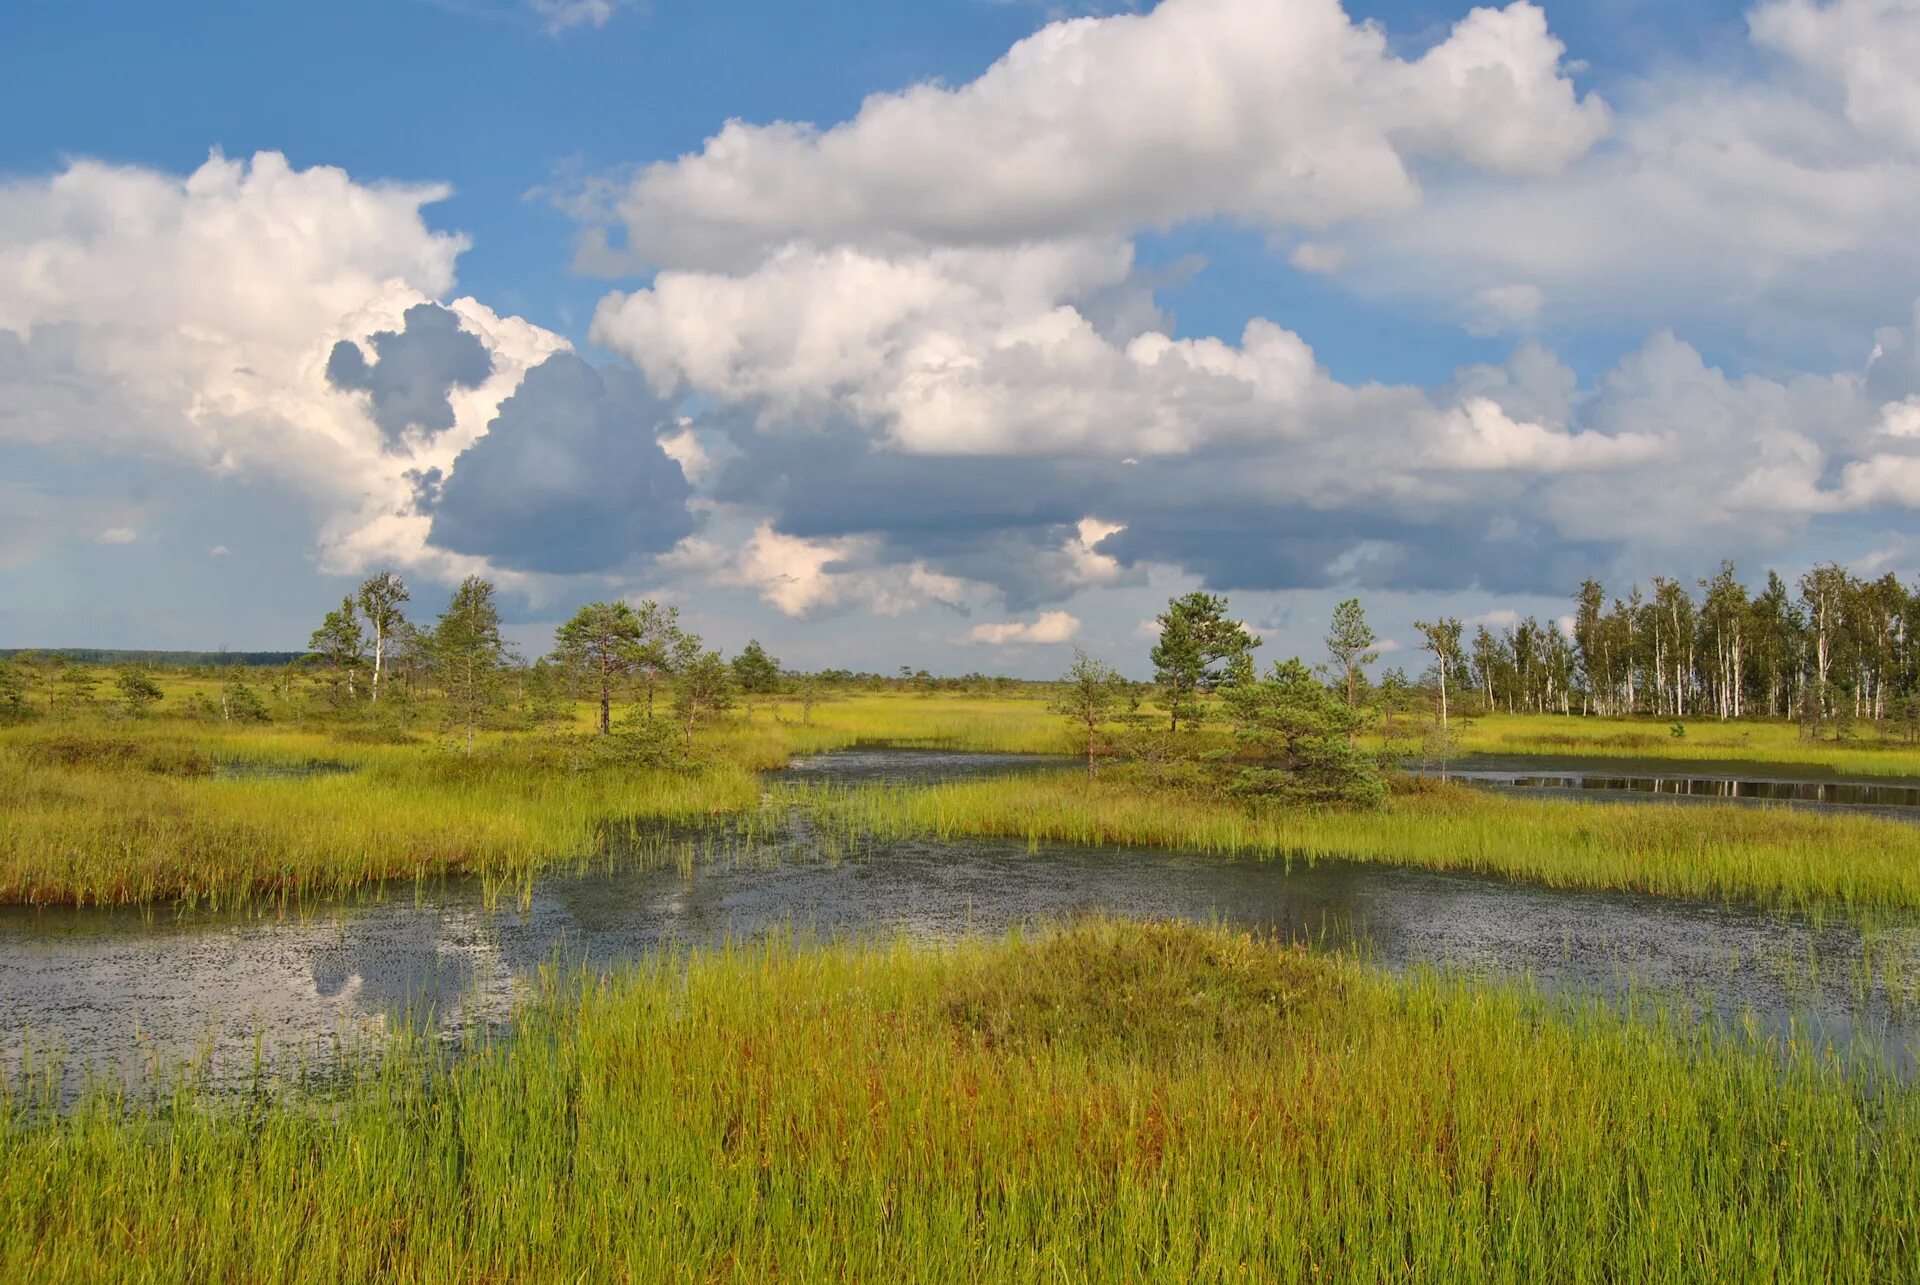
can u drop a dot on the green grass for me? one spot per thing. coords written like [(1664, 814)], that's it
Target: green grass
[(127, 812), (1111, 1102), (1771, 857), (99, 812), (125, 824), (1728, 746)]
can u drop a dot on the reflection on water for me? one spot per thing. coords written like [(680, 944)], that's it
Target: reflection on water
[(915, 767), (98, 978), (1834, 794), (116, 987)]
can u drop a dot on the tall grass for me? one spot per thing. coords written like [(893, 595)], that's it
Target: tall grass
[(1772, 857), (1778, 746), (120, 831), (1112, 1102), (133, 812)]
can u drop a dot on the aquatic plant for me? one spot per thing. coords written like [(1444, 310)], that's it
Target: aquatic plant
[(1112, 1102)]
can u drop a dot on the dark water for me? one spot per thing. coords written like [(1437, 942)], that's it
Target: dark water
[(915, 767), (118, 988), (1632, 780), (268, 769)]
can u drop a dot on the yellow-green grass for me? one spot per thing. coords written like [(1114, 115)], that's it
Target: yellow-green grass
[(1770, 857), (118, 831), (1111, 1102), (1870, 752), (115, 830), (1003, 724)]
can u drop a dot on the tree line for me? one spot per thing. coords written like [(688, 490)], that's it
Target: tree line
[(1831, 648), (367, 651)]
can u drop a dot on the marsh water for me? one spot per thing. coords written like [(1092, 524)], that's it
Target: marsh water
[(122, 991), (1650, 780)]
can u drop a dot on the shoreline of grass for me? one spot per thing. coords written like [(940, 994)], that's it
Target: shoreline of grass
[(143, 820), (1109, 1101), (1772, 858)]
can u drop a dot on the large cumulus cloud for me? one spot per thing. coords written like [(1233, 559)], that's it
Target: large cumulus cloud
[(211, 320), (1276, 113), (570, 477), (413, 370), (909, 318)]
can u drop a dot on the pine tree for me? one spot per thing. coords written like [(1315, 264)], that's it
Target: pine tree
[(1350, 643), (469, 656), (604, 642), (1199, 650)]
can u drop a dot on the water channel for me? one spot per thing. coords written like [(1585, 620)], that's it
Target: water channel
[(1643, 780), (122, 990)]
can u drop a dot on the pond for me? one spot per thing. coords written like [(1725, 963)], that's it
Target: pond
[(120, 989), (870, 765)]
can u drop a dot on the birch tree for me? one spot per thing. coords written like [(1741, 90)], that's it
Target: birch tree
[(380, 600), (1092, 691), (1441, 638)]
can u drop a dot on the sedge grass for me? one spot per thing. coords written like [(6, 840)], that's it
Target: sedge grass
[(133, 825), (1109, 1102), (122, 835), (1772, 857)]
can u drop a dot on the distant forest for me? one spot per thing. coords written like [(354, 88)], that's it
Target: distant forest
[(1834, 645), (169, 659)]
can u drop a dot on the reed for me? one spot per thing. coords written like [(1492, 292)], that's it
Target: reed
[(1111, 1101)]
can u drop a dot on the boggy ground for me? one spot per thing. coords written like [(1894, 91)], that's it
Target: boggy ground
[(164, 808), (1110, 1101)]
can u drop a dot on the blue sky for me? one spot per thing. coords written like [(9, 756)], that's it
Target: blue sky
[(1579, 289)]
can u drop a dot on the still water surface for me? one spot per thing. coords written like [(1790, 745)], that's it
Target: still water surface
[(118, 989)]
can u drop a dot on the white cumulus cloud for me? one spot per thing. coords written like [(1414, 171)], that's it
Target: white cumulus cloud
[(1048, 627), (1277, 112)]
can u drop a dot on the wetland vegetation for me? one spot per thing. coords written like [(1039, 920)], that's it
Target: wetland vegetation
[(1108, 1101), (1095, 1098)]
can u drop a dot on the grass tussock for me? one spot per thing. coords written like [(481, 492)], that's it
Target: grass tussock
[(1107, 1103)]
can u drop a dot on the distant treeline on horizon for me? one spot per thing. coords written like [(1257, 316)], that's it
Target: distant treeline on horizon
[(171, 659)]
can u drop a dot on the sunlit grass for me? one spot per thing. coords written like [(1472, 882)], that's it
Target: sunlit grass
[(1114, 1102), (1773, 857), (93, 811), (1868, 752), (121, 832)]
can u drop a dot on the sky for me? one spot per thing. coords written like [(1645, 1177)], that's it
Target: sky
[(956, 334)]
